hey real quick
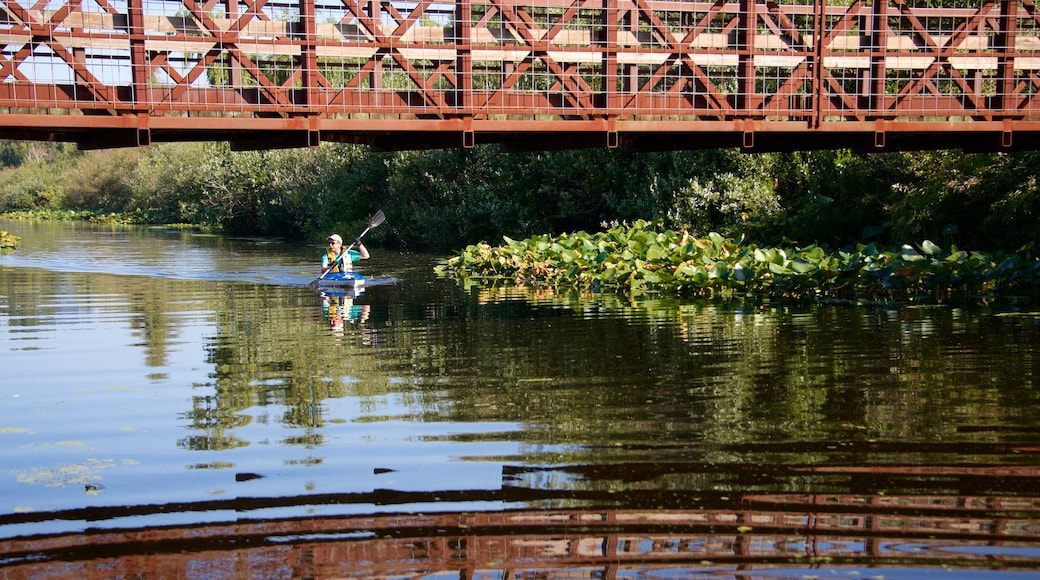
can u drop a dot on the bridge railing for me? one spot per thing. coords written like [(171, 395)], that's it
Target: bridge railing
[(804, 61)]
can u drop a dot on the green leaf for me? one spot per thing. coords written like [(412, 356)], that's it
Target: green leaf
[(930, 249), (656, 253), (717, 240), (689, 270), (721, 270), (771, 255), (569, 256), (814, 254), (801, 266), (743, 273), (909, 254)]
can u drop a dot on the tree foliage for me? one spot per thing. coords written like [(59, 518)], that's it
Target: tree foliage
[(450, 198)]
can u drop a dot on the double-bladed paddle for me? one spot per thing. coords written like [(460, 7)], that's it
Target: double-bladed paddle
[(372, 223)]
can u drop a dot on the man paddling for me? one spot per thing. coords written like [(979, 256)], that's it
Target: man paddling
[(340, 261)]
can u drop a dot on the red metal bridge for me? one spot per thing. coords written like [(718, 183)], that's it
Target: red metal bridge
[(871, 75)]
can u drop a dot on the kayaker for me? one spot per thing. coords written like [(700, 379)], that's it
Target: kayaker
[(335, 250)]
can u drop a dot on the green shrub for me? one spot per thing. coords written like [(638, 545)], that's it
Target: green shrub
[(101, 180)]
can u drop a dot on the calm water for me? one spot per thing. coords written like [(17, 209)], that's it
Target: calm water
[(182, 405)]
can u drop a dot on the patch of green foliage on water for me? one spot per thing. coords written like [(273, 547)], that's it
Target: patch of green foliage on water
[(8, 241), (647, 258), (85, 215)]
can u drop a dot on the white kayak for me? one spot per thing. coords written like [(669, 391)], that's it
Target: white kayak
[(348, 284), (341, 279)]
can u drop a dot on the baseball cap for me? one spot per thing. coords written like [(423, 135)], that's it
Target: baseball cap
[(335, 238)]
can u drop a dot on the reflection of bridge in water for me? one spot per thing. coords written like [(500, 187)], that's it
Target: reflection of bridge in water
[(642, 74), (807, 532)]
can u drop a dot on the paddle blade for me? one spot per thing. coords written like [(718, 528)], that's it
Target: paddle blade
[(376, 219)]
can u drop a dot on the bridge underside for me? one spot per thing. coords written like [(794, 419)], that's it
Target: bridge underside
[(644, 75), (94, 132)]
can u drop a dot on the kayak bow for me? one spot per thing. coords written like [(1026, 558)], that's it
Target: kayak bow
[(341, 279)]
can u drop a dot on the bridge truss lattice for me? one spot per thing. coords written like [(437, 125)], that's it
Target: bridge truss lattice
[(643, 74)]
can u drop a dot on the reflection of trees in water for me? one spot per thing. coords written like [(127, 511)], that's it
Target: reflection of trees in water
[(269, 353), (599, 378)]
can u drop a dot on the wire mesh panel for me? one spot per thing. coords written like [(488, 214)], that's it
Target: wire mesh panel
[(929, 60), (536, 59)]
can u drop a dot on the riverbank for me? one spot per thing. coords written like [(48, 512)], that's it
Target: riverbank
[(445, 199)]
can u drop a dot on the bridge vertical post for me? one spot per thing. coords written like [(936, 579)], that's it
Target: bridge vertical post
[(309, 69), (464, 68), (819, 34), (140, 95), (375, 14), (875, 85), (747, 24), (308, 53), (1007, 45), (630, 77), (138, 57), (610, 68)]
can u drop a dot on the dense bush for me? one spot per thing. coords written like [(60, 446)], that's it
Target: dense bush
[(38, 179), (101, 180)]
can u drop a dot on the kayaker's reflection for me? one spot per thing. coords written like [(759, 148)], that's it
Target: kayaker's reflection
[(339, 309)]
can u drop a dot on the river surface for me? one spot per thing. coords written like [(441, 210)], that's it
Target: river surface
[(182, 405)]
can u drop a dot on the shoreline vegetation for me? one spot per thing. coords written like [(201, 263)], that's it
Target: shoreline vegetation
[(648, 258), (142, 218), (723, 223), (445, 199)]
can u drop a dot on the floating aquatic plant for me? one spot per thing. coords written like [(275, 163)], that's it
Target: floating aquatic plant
[(8, 241), (644, 257)]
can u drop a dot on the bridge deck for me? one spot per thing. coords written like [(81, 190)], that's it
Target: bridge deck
[(643, 74)]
